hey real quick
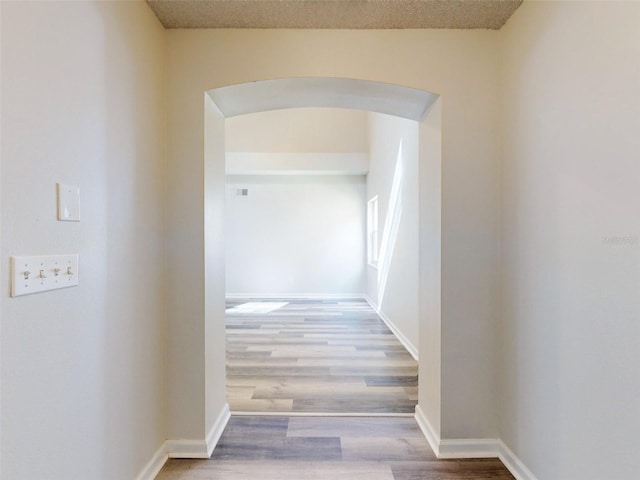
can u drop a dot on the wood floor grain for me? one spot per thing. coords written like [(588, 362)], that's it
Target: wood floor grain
[(315, 356), (325, 448), (321, 356)]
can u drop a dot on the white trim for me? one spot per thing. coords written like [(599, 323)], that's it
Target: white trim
[(473, 448), (469, 448), (218, 427), (153, 467), (311, 296), (513, 463), (455, 448), (411, 348), (185, 448), (428, 431)]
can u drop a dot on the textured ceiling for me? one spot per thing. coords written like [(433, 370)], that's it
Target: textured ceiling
[(348, 14)]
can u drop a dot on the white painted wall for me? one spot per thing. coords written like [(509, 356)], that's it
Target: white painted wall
[(299, 130), (571, 255), (392, 285), (462, 66), (298, 141), (430, 269), (215, 385), (260, 163), (83, 369), (296, 235)]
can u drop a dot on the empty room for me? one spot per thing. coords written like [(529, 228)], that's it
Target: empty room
[(321, 239)]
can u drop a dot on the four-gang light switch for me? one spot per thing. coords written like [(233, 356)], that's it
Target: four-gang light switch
[(41, 273)]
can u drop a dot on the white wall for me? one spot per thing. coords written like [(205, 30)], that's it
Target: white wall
[(430, 268), (214, 277), (299, 130), (83, 369), (392, 285), (296, 235), (571, 255), (462, 66), (298, 141)]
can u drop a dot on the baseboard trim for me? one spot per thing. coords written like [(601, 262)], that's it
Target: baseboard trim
[(312, 296), (472, 448), (216, 430), (428, 431), (200, 448), (513, 463), (462, 448), (411, 348), (153, 467), (187, 449), (469, 448)]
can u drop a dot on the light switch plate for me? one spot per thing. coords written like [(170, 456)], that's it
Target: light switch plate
[(68, 203), (41, 273)]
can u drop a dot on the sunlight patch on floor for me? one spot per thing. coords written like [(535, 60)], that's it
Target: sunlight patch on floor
[(256, 307)]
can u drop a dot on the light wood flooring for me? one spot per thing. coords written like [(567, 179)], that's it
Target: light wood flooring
[(316, 356), (309, 357), (324, 448)]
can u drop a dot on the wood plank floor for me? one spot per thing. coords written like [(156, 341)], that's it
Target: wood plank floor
[(311, 356), (316, 356), (325, 448)]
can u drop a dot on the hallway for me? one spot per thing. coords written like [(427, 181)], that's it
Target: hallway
[(312, 448), (316, 356), (310, 357)]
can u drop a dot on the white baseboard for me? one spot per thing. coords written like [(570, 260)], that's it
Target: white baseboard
[(457, 448), (428, 431), (313, 296), (472, 448), (469, 448), (513, 463), (187, 448), (411, 348), (200, 448), (153, 467), (216, 430)]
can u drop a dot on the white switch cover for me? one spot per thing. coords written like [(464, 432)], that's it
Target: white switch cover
[(41, 273), (68, 203)]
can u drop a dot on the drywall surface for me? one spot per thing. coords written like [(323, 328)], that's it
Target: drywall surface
[(462, 66), (214, 346), (299, 130), (570, 239), (429, 270), (83, 369), (298, 141), (392, 284), (296, 235)]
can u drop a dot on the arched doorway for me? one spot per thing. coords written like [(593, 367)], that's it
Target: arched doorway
[(220, 103)]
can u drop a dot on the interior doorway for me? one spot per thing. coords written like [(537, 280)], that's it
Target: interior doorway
[(419, 106)]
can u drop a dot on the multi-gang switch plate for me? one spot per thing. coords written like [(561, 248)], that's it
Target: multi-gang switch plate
[(41, 273)]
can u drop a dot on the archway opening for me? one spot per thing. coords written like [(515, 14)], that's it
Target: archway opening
[(407, 103)]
